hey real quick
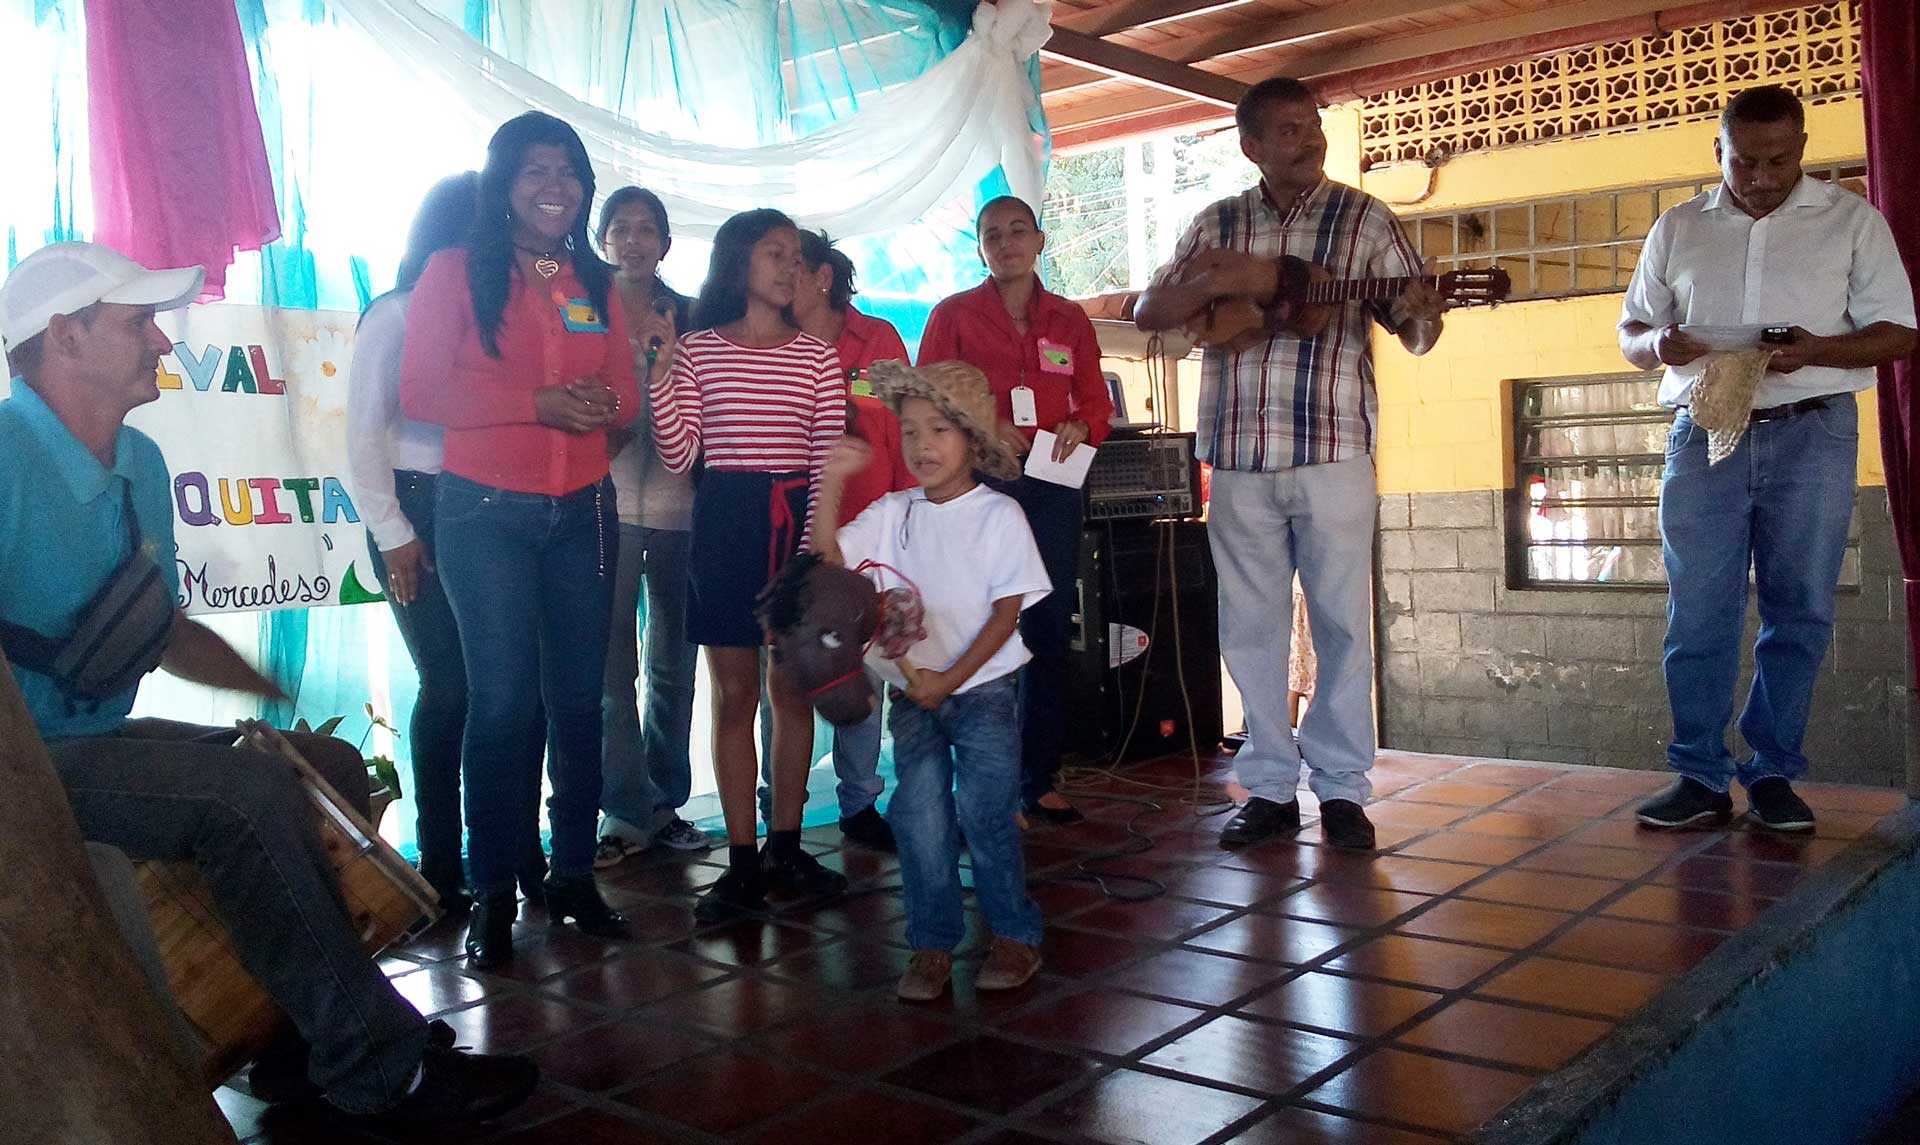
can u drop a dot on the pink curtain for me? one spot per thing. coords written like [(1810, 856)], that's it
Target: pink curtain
[(180, 174), (1889, 44)]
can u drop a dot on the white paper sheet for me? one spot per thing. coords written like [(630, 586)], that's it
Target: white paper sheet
[(1072, 472)]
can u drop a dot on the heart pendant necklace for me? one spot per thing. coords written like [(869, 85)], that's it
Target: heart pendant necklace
[(544, 264)]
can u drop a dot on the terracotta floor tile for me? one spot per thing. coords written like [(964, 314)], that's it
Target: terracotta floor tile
[(739, 1005), (1599, 862), (850, 913), (1568, 801), (1195, 842), (1420, 961), (1733, 876), (1197, 976), (1128, 1107), (1607, 991), (748, 942), (509, 1023), (862, 866), (1422, 766), (865, 1115), (852, 966), (1465, 847), (1611, 780), (1522, 825), (669, 878), (1422, 876), (1408, 814), (1507, 774), (1681, 907), (1344, 1005), (1635, 945), (863, 1040), (1271, 938), (633, 980), (1285, 858), (1059, 901), (1860, 800), (431, 991), (1292, 1125), (1347, 904), (1542, 889), (550, 951), (1842, 825), (1452, 1097), (1254, 1055), (1628, 833), (1771, 848), (589, 1127), (1457, 794), (1488, 923), (1165, 919), (1074, 953), (727, 1091), (1506, 1034), (659, 920), (989, 1072), (609, 1057), (1231, 887), (1107, 1021)]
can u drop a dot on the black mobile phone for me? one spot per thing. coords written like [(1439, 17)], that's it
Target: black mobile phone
[(1777, 336)]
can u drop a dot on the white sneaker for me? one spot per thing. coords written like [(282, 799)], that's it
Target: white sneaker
[(613, 849), (681, 835)]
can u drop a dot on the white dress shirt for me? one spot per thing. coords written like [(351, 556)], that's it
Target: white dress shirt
[(379, 440), (1824, 260)]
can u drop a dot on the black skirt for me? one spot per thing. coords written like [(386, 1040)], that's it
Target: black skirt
[(745, 526)]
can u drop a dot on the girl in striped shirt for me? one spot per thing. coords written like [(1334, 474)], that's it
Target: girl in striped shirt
[(758, 404)]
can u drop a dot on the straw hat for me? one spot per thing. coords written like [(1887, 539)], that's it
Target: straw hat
[(963, 396)]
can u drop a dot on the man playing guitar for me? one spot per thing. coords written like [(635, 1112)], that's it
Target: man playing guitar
[(1287, 417)]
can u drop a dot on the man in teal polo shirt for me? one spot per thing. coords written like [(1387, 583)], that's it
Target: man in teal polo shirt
[(77, 322)]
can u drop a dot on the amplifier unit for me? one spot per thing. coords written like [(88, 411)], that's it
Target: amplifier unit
[(1149, 476)]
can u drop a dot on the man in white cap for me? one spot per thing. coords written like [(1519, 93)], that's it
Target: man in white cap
[(87, 606)]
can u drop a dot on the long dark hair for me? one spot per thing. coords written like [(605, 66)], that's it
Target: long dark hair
[(816, 249), (490, 246), (723, 298), (625, 197), (445, 219)]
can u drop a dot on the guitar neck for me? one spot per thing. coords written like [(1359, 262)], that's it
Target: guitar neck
[(1362, 289)]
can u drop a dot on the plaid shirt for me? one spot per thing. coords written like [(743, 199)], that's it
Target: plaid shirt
[(1294, 401)]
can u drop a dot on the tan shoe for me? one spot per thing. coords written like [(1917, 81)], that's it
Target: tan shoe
[(926, 977), (1010, 965)]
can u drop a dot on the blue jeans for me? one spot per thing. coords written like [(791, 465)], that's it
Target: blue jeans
[(530, 577), (440, 712), (856, 756), (959, 767), (1780, 505), (648, 774)]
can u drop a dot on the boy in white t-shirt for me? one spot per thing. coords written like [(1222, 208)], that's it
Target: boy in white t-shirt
[(955, 711)]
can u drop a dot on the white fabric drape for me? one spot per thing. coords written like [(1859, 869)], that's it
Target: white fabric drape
[(904, 152)]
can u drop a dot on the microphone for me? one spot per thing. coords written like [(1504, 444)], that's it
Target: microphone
[(662, 307)]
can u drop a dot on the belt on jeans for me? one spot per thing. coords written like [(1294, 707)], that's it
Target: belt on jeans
[(1791, 409)]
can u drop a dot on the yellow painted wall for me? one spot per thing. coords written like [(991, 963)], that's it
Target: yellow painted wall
[(1445, 425)]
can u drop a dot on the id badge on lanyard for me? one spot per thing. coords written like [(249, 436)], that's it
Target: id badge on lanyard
[(1024, 413)]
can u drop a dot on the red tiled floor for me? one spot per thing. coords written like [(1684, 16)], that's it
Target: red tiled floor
[(1465, 847), (1262, 1056), (1100, 1020), (1395, 873), (747, 943), (852, 965), (509, 1023), (1732, 876), (1860, 800), (1506, 1034), (1628, 833), (1604, 990), (989, 1072), (1522, 825), (1682, 907), (1350, 905), (1625, 782), (1489, 923), (1452, 1097), (1772, 848), (740, 1005), (1345, 1005), (612, 1056), (1197, 976), (1635, 945), (862, 1040), (727, 1091), (1420, 961), (1293, 1125), (589, 1127), (1166, 919), (1568, 801), (865, 1115), (1422, 767), (1506, 774), (1274, 939), (1600, 862), (633, 979), (434, 990), (1231, 887), (1408, 814), (1128, 1107), (1077, 952), (1456, 794), (1542, 889)]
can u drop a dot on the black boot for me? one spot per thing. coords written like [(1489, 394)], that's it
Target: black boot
[(490, 930), (577, 897)]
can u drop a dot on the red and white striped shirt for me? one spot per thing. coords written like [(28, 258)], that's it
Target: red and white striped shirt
[(767, 410)]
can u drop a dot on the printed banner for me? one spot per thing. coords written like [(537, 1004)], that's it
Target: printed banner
[(252, 420)]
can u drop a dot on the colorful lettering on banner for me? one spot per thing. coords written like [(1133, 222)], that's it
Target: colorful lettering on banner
[(252, 421)]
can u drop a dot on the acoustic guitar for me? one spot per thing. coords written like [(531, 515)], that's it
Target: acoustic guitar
[(1309, 295)]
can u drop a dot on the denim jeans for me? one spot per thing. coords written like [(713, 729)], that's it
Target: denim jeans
[(1263, 527), (440, 712), (648, 774), (856, 756), (957, 769), (530, 577), (176, 792), (1780, 505), (1055, 514)]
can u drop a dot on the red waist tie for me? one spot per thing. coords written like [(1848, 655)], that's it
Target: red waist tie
[(784, 533)]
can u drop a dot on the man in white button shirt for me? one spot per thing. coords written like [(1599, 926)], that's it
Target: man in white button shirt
[(1768, 247)]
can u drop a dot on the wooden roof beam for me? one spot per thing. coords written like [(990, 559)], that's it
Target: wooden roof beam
[(1280, 32), (1122, 15), (1143, 67)]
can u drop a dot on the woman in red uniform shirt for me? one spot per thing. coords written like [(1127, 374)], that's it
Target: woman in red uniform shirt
[(518, 346), (1039, 353)]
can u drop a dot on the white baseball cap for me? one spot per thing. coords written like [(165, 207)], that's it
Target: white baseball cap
[(67, 277)]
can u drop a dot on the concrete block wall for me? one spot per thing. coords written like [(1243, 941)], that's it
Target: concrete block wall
[(1470, 666)]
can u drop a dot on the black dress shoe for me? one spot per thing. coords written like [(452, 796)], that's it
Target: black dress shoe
[(1688, 804), (490, 930), (869, 829), (577, 897), (735, 895), (1261, 819), (1772, 804), (800, 875), (457, 1086), (1345, 824)]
